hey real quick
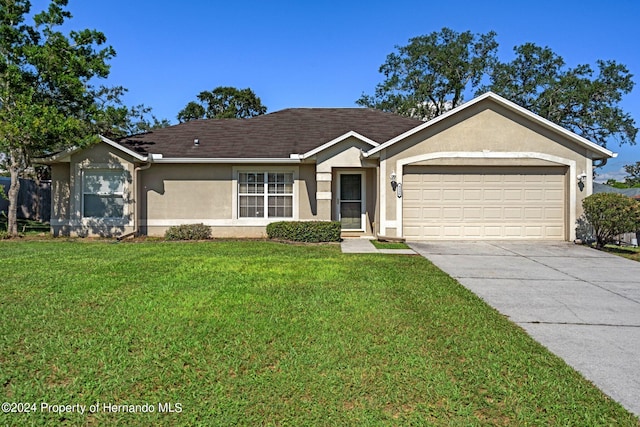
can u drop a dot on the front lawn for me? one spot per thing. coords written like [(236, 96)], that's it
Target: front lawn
[(261, 333), (624, 251), (389, 245)]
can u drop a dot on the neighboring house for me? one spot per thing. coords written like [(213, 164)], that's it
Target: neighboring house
[(487, 169)]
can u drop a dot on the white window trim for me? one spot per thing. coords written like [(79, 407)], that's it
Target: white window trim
[(263, 169), (363, 197)]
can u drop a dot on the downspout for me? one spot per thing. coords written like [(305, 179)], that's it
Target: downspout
[(136, 176)]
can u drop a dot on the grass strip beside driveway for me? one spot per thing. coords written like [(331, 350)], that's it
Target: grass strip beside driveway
[(246, 333)]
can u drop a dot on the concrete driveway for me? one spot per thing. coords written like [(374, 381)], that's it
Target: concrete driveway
[(582, 304)]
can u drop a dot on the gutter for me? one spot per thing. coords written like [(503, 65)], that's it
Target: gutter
[(149, 160)]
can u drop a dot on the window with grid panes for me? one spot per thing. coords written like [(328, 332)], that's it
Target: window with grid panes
[(265, 195)]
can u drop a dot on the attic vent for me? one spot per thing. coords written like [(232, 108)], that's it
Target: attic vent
[(196, 142)]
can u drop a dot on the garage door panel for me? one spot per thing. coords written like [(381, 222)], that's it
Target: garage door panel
[(554, 232), (413, 213), (554, 194), (472, 214), (511, 194), (452, 194), (454, 214), (553, 214), (431, 194), (492, 194), (492, 214), (533, 232), (472, 195), (512, 213), (534, 195), (533, 214), (484, 203), (470, 179)]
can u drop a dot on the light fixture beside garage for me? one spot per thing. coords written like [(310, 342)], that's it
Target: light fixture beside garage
[(582, 177), (395, 185)]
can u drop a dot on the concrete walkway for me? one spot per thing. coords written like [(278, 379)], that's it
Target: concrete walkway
[(357, 245), (582, 304)]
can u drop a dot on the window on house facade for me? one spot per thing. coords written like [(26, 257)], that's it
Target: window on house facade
[(265, 194), (103, 194)]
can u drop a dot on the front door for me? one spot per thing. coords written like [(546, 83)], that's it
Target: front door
[(350, 201)]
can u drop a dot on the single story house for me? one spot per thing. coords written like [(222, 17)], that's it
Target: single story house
[(488, 169)]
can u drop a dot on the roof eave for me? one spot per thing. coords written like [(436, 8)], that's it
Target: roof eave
[(125, 150), (335, 141), (228, 160), (65, 156)]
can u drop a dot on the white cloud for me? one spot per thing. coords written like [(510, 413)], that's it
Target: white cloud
[(618, 175)]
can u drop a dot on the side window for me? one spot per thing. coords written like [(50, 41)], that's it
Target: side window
[(103, 194)]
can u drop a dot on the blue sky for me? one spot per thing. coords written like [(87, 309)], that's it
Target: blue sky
[(327, 53)]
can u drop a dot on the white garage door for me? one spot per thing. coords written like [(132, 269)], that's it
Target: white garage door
[(447, 202)]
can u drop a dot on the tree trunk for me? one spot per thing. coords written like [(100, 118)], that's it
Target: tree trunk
[(14, 190), (15, 166)]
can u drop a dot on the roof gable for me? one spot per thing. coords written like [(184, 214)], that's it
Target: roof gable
[(598, 151)]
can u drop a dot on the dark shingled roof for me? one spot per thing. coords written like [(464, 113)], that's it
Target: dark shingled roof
[(274, 135)]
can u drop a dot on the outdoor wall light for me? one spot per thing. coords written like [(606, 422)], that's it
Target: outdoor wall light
[(582, 177), (394, 180)]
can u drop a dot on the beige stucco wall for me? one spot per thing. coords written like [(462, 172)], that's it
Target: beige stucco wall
[(487, 130), (174, 194), (307, 188), (168, 194)]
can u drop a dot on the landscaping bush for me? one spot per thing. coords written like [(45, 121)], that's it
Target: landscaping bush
[(188, 232), (305, 231), (611, 214)]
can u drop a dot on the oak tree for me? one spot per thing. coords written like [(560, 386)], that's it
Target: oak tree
[(633, 174), (431, 74), (48, 94), (223, 102), (580, 99)]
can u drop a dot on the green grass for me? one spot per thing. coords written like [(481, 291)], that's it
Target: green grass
[(624, 251), (261, 333), (26, 226), (389, 245)]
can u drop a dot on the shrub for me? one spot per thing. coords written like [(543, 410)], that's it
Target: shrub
[(188, 232), (305, 231), (611, 214)]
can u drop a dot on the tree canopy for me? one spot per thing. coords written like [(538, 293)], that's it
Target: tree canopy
[(48, 96), (223, 102), (633, 174), (579, 99), (431, 74)]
